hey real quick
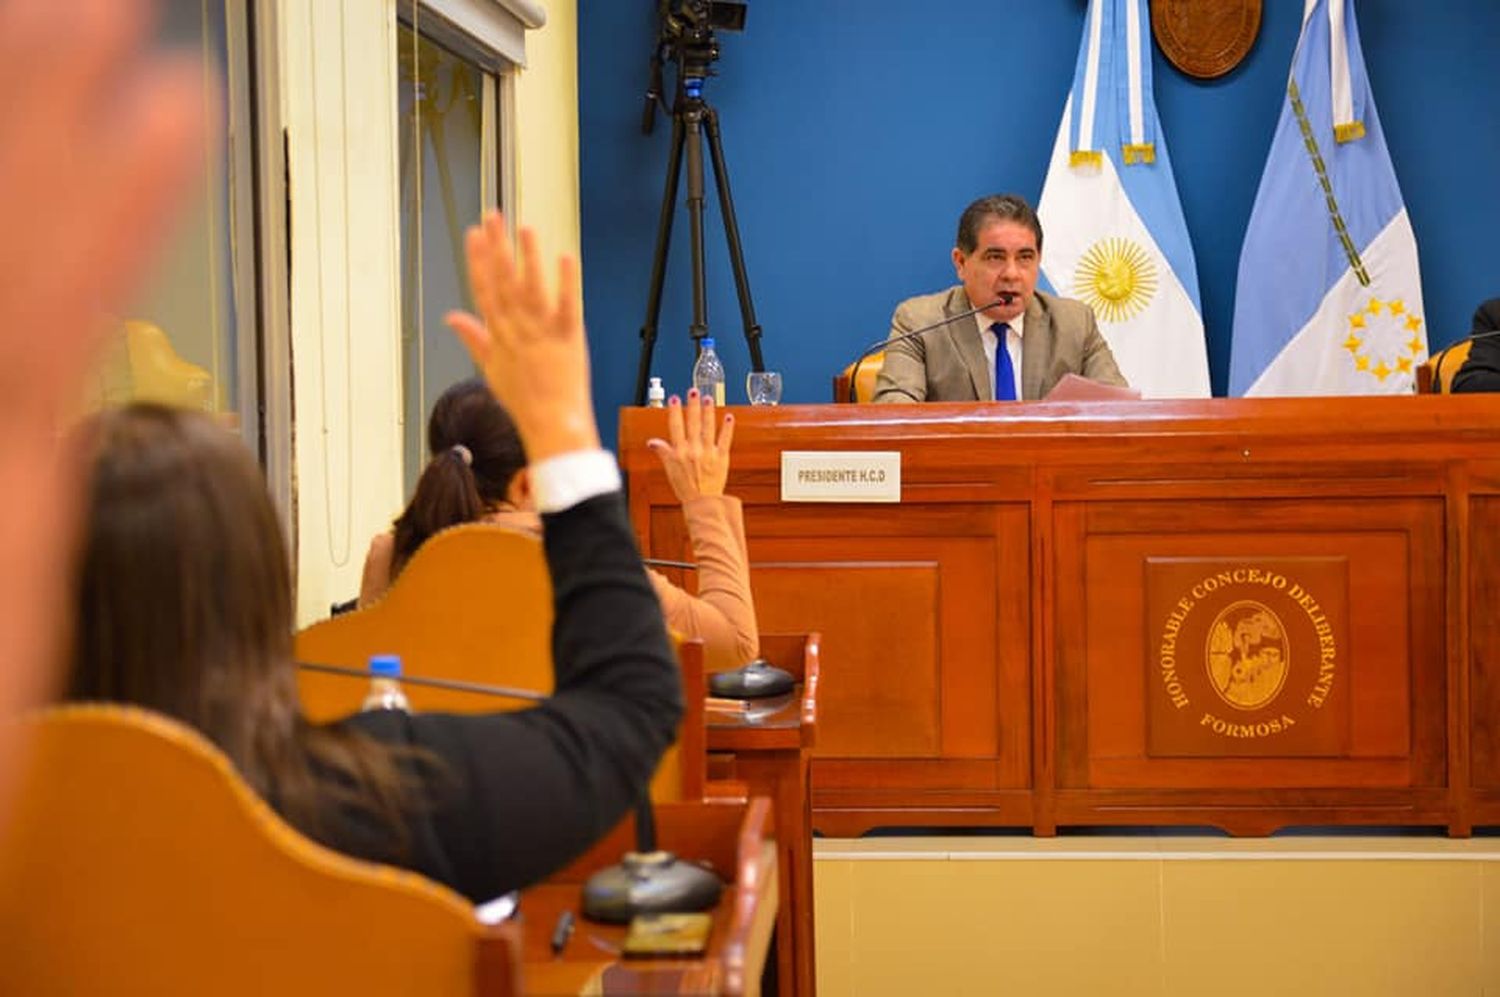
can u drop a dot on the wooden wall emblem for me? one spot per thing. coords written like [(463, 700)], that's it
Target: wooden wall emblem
[(1249, 657), (1205, 38)]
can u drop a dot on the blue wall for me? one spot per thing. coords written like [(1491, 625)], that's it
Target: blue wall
[(856, 130)]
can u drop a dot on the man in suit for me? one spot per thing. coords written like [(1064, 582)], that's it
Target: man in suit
[(1481, 371), (1020, 348)]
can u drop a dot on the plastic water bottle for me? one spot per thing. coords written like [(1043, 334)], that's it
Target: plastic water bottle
[(385, 685), (708, 373), (656, 395)]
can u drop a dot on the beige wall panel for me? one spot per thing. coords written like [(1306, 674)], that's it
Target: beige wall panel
[(340, 107)]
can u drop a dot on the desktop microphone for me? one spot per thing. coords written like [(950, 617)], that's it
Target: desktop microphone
[(453, 685), (662, 562), (646, 881), (1003, 298), (1441, 355)]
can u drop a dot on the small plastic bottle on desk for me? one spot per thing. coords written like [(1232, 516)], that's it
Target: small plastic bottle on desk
[(656, 395), (385, 685), (708, 373)]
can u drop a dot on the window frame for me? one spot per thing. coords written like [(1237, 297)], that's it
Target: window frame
[(490, 35)]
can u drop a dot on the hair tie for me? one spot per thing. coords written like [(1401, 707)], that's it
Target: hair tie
[(463, 453)]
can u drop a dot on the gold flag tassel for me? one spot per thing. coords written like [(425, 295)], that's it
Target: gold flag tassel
[(1348, 132)]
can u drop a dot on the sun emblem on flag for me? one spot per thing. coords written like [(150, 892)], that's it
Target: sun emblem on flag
[(1387, 322), (1117, 278)]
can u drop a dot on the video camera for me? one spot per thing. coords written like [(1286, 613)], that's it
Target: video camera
[(685, 35), (687, 16), (686, 31)]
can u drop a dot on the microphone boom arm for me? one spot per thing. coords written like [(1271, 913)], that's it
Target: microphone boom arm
[(875, 347)]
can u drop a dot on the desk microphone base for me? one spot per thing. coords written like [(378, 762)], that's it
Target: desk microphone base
[(650, 883)]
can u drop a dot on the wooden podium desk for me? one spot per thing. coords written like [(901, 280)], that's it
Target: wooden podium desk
[(1247, 613), (731, 837), (769, 747)]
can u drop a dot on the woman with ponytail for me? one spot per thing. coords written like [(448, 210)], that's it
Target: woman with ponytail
[(477, 458), (477, 472)]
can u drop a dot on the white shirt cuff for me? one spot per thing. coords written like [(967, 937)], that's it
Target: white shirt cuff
[(563, 481)]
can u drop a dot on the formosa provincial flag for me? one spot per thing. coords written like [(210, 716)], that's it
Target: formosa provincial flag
[(1329, 297), (1114, 232)]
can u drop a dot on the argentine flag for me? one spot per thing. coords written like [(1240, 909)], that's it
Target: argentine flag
[(1115, 235), (1329, 298)]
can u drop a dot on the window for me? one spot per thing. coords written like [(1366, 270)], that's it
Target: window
[(189, 338), (450, 92)]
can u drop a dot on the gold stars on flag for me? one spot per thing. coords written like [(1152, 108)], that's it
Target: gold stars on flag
[(1370, 325)]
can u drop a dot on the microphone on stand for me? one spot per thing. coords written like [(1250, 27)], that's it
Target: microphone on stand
[(1004, 298), (646, 881), (1441, 355)]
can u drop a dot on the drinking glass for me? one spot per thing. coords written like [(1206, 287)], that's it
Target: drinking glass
[(763, 387)]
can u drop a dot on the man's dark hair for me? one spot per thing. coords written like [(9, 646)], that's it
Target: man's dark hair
[(995, 207)]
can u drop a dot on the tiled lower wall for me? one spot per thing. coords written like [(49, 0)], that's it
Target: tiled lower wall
[(1158, 916)]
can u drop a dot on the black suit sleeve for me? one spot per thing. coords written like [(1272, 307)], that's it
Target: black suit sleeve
[(1481, 371), (520, 794)]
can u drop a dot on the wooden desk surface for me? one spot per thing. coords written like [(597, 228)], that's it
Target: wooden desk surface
[(591, 963), (762, 725)]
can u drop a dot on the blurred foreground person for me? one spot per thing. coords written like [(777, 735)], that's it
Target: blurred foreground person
[(99, 137)]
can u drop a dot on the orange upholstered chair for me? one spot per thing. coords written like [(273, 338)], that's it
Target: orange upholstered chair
[(1434, 380), (475, 604), (137, 861), (869, 370)]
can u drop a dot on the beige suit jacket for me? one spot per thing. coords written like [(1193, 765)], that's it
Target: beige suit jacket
[(948, 364)]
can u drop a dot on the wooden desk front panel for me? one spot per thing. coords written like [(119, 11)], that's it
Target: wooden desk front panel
[(926, 635), (1139, 707), (1484, 665)]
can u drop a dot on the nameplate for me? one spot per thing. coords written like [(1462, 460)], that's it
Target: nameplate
[(840, 476)]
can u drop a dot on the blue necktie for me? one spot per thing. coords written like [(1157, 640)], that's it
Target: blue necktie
[(1005, 371)]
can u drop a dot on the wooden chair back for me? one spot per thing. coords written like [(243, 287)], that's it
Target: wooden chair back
[(474, 604), (137, 861), (869, 370)]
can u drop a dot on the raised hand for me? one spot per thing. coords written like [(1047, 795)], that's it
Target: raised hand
[(696, 462), (98, 139), (529, 343)]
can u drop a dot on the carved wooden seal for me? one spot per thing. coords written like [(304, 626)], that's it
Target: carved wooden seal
[(1205, 38)]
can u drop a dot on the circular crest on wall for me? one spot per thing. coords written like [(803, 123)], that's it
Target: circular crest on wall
[(1205, 38)]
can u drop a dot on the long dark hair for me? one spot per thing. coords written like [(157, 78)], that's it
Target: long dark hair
[(185, 606), (475, 452)]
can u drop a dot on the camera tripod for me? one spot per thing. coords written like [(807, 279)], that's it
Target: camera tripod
[(692, 118)]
